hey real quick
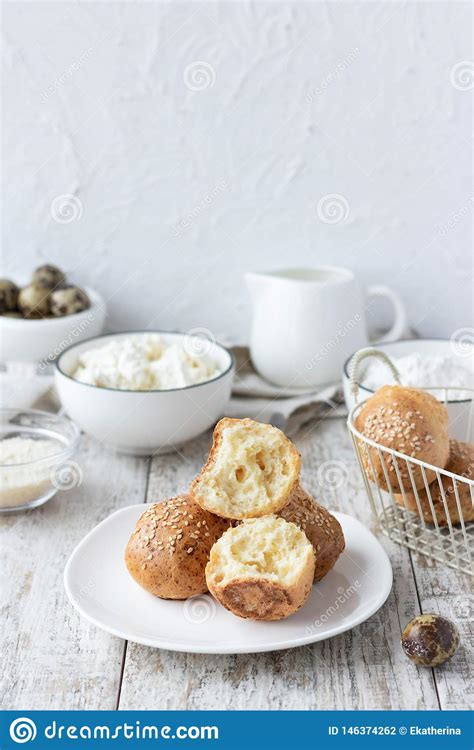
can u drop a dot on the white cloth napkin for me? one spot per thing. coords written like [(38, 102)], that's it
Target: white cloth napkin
[(287, 408)]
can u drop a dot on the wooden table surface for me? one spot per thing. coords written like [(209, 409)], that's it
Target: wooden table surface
[(53, 659)]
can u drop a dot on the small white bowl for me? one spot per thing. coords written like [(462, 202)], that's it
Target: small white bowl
[(42, 340), (461, 412), (144, 422), (27, 485)]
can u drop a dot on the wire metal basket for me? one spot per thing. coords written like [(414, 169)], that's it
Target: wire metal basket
[(421, 519)]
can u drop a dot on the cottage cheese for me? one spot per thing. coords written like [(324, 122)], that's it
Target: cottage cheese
[(145, 362)]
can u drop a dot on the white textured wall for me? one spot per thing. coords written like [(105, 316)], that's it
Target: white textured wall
[(369, 100)]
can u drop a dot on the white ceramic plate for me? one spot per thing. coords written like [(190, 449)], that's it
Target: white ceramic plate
[(101, 589)]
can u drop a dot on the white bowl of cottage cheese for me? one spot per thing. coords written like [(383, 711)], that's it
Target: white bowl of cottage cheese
[(145, 392)]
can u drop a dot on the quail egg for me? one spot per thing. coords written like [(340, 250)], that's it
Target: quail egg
[(8, 295), (33, 301), (430, 640), (48, 276), (68, 300)]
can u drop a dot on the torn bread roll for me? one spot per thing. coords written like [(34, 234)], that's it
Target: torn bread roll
[(262, 569), (250, 472)]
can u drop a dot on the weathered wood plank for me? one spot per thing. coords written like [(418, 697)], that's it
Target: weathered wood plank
[(449, 593), (52, 658), (363, 669)]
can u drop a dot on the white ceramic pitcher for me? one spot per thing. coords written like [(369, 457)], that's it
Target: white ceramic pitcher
[(307, 321)]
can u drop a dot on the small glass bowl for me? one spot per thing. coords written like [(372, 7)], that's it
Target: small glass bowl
[(29, 484)]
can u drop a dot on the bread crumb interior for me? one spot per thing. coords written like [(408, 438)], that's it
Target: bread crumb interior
[(252, 467), (267, 547)]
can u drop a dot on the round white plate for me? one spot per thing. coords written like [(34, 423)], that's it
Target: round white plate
[(101, 589)]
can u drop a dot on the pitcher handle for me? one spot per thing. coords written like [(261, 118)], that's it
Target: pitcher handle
[(400, 322)]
